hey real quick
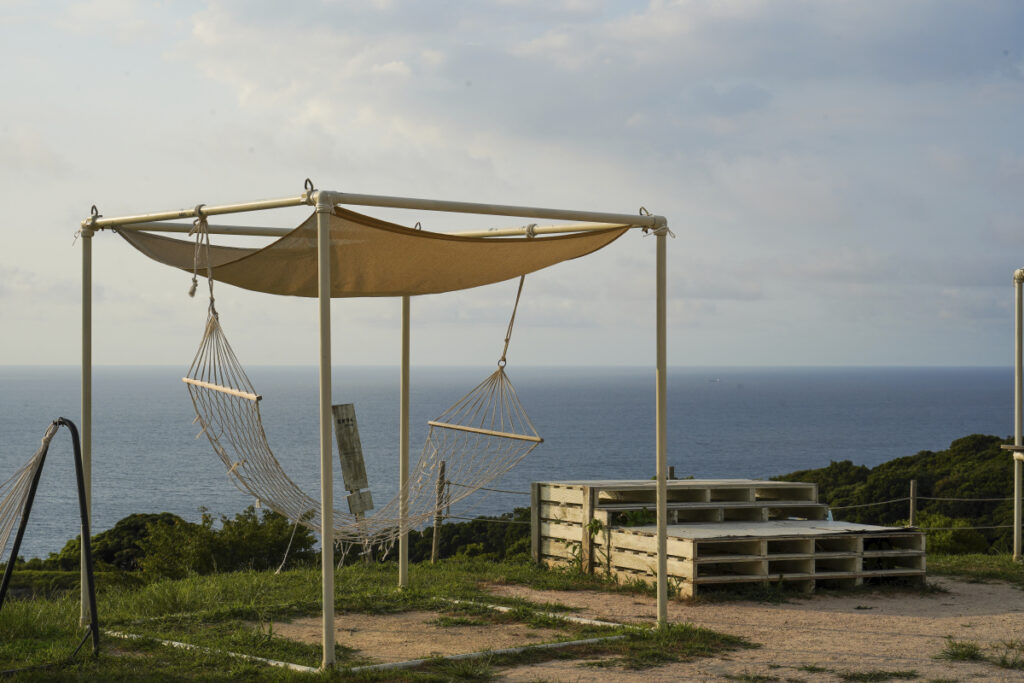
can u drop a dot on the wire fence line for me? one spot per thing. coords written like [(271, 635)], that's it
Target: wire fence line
[(979, 500), (484, 488), (905, 499), (865, 505), (488, 519), (913, 498)]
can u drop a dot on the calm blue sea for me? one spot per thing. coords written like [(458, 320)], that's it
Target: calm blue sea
[(598, 423)]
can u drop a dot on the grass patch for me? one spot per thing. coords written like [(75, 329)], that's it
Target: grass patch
[(464, 669), (239, 612), (673, 643), (868, 676), (961, 651), (978, 568), (445, 621), (865, 676), (813, 669), (1009, 654)]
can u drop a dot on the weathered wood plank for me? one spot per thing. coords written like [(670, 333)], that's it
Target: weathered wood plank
[(350, 450), (562, 513), (647, 543), (561, 494), (646, 563), (564, 532)]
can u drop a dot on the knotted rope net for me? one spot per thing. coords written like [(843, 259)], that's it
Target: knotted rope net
[(479, 438), (14, 492)]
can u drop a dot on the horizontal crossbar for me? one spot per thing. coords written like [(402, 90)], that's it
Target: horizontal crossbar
[(222, 389), (488, 432)]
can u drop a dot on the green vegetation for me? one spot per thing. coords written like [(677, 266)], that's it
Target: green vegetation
[(960, 651), (1008, 654), (972, 467), (165, 545), (238, 612), (212, 583), (505, 536), (978, 568)]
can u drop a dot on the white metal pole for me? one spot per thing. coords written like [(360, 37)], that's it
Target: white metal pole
[(662, 433), (647, 221), (403, 454), (299, 200), (323, 237), (1018, 409), (261, 231), (85, 431)]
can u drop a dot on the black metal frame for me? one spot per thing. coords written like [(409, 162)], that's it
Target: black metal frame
[(94, 626)]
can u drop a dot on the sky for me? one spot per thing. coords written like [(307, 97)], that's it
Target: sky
[(844, 180)]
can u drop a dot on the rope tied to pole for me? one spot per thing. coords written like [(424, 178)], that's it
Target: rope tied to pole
[(201, 230), (511, 322), (657, 231)]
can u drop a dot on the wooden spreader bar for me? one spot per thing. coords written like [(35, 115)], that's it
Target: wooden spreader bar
[(488, 432), (222, 389)]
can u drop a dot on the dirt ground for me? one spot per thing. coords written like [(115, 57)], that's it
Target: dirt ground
[(816, 638), (410, 635), (852, 633)]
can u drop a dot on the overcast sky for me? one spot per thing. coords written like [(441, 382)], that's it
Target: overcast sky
[(845, 180)]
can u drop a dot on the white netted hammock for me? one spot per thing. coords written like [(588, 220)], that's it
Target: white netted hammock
[(479, 438)]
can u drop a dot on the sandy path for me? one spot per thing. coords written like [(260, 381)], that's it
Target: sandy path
[(412, 635), (849, 633)]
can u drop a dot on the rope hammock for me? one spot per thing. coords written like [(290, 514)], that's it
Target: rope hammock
[(482, 436), (15, 491)]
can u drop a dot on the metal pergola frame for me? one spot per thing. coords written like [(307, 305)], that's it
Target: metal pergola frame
[(1017, 448), (324, 201)]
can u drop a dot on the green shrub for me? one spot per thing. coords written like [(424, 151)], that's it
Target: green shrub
[(973, 467), (249, 541), (951, 536)]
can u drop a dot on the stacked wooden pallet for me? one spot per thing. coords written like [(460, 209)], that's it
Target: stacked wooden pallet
[(720, 532)]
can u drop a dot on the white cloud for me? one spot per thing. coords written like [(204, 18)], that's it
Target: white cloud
[(816, 160)]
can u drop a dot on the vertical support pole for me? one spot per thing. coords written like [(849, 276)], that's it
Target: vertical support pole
[(1018, 410), (403, 448), (86, 398), (439, 503), (913, 503), (662, 430), (586, 540), (323, 241), (535, 521)]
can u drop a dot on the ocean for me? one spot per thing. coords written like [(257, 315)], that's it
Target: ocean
[(597, 423)]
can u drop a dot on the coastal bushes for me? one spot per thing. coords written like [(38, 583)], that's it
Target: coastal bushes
[(165, 545), (973, 467)]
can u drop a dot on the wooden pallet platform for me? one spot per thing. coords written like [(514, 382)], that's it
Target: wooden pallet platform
[(728, 532)]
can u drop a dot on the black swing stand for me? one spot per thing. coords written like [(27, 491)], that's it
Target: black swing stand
[(94, 626)]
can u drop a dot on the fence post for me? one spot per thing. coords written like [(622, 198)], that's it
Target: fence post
[(439, 503), (913, 502)]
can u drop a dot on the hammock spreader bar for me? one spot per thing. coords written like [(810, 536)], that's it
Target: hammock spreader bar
[(488, 432)]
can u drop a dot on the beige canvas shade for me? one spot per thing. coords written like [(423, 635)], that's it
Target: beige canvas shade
[(371, 257)]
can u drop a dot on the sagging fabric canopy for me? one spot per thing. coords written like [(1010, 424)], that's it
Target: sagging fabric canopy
[(371, 257)]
